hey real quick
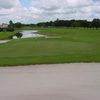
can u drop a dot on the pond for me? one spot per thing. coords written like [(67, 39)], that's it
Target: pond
[(29, 34)]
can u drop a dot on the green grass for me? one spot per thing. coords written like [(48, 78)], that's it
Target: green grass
[(5, 35), (72, 45)]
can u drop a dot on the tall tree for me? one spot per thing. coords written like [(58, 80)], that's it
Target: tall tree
[(96, 23), (11, 23)]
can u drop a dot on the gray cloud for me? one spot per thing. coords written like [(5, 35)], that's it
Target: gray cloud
[(4, 14), (6, 4), (43, 10)]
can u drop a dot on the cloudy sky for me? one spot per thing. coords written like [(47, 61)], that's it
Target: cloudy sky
[(33, 11)]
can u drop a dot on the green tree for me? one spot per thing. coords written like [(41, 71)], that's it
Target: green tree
[(11, 26), (11, 23), (96, 23), (18, 25)]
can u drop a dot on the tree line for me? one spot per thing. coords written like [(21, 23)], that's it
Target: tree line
[(95, 23)]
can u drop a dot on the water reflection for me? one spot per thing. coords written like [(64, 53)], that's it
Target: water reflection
[(28, 34)]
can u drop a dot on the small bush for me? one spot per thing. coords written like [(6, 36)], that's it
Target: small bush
[(19, 35), (1, 29), (10, 29)]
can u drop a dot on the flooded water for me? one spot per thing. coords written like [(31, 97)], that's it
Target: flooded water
[(30, 34)]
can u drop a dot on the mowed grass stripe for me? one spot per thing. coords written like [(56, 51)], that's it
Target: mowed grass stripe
[(75, 45)]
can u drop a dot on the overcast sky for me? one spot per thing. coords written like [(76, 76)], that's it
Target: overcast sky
[(33, 11)]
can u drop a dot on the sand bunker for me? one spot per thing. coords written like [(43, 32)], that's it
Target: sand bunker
[(51, 82)]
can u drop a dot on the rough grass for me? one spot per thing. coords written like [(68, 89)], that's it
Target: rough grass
[(74, 45)]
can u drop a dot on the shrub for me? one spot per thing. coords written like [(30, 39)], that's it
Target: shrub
[(10, 29), (19, 35), (1, 29)]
